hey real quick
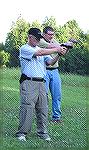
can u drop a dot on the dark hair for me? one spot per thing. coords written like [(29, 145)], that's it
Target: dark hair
[(48, 28), (36, 32)]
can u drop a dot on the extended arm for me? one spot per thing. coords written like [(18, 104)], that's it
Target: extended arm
[(42, 52), (57, 57), (54, 60)]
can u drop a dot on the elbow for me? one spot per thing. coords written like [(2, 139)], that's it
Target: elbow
[(49, 63)]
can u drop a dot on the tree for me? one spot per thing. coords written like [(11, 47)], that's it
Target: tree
[(75, 60), (15, 38), (4, 58), (36, 24), (49, 22), (2, 46)]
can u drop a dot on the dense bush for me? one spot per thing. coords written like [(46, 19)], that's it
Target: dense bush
[(4, 58)]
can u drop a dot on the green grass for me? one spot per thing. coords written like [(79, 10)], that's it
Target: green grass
[(72, 134)]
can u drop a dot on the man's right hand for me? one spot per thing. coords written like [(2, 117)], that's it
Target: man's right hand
[(62, 50)]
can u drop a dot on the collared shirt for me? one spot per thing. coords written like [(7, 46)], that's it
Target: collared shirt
[(44, 44), (30, 66)]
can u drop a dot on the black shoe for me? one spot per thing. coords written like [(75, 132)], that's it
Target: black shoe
[(56, 121)]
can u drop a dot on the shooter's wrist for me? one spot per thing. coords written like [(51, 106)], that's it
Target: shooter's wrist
[(59, 54)]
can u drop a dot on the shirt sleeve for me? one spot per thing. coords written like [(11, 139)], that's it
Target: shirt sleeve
[(43, 43), (47, 58), (26, 52), (55, 42)]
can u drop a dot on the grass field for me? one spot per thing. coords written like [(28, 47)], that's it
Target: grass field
[(72, 134)]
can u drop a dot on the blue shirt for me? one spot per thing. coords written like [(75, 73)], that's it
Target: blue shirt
[(30, 66)]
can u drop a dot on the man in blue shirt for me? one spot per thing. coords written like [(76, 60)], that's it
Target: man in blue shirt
[(33, 62)]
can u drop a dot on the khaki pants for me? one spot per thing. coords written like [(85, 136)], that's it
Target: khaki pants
[(33, 95)]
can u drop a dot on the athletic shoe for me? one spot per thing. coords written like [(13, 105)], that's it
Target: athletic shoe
[(45, 137), (21, 138), (56, 121)]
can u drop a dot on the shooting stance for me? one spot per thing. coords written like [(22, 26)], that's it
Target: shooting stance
[(32, 85), (53, 79)]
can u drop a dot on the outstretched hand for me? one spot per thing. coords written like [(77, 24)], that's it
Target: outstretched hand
[(63, 50)]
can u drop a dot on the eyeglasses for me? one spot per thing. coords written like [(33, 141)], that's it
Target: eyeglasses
[(50, 34)]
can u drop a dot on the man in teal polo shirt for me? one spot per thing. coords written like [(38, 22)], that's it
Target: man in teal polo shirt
[(32, 85)]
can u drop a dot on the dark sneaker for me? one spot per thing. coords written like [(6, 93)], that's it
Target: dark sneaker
[(56, 121)]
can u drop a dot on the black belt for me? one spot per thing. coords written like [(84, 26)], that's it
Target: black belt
[(24, 77), (51, 68)]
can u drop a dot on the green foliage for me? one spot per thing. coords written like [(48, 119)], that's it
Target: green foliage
[(15, 38), (2, 46), (49, 22), (70, 30), (4, 58), (17, 35), (76, 61), (36, 24), (87, 42)]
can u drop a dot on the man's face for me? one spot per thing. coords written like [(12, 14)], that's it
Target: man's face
[(33, 40), (49, 35)]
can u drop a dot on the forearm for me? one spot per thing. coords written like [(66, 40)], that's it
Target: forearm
[(54, 60), (42, 52)]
